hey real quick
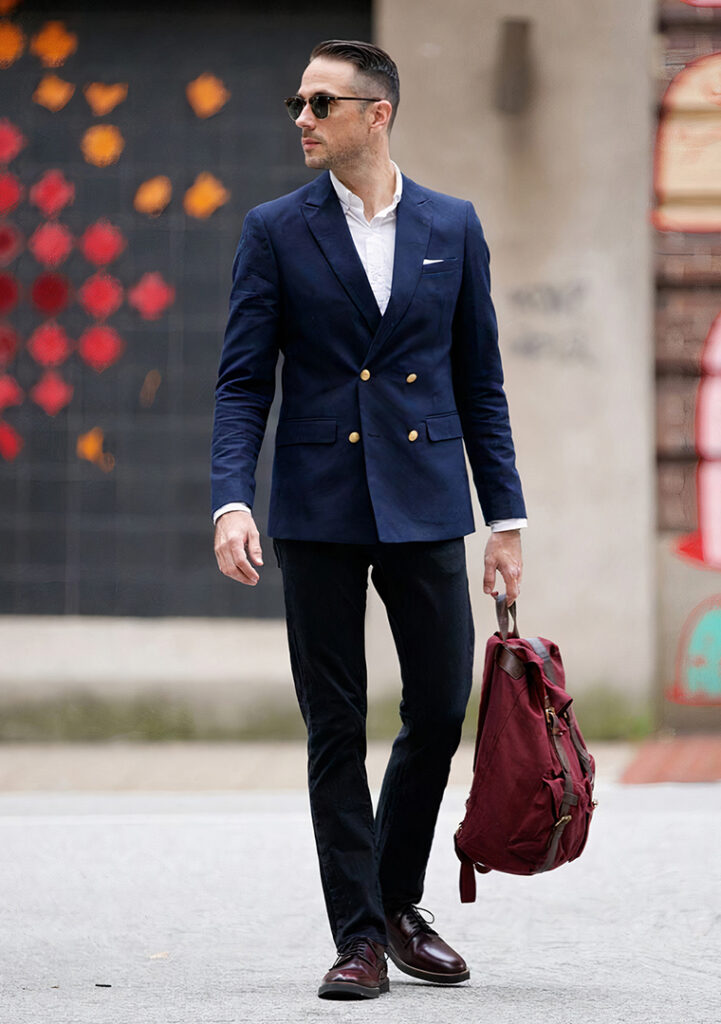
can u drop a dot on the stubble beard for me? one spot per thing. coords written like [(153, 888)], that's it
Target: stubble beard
[(333, 161)]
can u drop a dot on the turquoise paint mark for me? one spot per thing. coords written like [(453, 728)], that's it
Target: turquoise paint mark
[(702, 663)]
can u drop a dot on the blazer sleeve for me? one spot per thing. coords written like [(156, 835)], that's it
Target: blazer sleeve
[(478, 384), (246, 375)]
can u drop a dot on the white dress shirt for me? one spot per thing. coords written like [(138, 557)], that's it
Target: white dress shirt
[(375, 241)]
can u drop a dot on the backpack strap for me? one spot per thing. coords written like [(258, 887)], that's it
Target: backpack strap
[(569, 795), (467, 878), (540, 648), (542, 651), (502, 612)]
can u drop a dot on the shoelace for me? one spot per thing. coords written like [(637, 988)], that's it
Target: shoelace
[(419, 922), (356, 947)]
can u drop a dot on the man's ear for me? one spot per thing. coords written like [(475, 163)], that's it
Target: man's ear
[(382, 111)]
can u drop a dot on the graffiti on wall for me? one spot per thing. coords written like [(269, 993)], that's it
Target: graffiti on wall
[(687, 170), (551, 324), (698, 661)]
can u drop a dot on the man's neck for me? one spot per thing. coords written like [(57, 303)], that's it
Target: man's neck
[(374, 183)]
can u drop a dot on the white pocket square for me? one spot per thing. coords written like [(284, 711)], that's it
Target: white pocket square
[(426, 262)]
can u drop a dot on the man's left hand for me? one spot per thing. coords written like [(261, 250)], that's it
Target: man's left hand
[(503, 554)]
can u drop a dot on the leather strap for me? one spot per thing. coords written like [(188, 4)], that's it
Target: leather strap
[(542, 651), (569, 796), (580, 749), (540, 648), (467, 881), (510, 662), (502, 610)]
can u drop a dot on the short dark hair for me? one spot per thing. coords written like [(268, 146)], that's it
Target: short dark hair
[(370, 61)]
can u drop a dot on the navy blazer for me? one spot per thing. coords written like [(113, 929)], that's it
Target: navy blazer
[(375, 409)]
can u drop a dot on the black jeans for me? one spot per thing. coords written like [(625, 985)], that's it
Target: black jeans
[(370, 864)]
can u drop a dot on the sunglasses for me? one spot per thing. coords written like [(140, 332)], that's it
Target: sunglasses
[(320, 104)]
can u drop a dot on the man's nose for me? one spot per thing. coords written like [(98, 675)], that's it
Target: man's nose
[(305, 119)]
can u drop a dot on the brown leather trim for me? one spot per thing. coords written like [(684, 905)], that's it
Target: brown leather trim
[(510, 662)]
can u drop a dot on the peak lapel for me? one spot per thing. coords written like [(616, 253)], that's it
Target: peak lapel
[(413, 229), (326, 220)]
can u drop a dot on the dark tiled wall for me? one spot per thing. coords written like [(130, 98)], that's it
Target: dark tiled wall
[(137, 540)]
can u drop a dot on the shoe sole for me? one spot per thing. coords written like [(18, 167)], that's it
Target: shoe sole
[(347, 990), (438, 979)]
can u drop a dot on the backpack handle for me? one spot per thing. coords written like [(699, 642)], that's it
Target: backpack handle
[(502, 612)]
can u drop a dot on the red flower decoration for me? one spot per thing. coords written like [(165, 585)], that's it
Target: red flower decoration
[(151, 296), (10, 442), (9, 292), (100, 347), (49, 345), (52, 193), (11, 192), (12, 141), (51, 243), (101, 295), (50, 293), (10, 392), (11, 243), (101, 243), (52, 393), (9, 342)]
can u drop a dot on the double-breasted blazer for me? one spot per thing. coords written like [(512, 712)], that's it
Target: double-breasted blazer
[(375, 409)]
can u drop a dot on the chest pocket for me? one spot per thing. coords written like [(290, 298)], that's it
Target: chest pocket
[(446, 266)]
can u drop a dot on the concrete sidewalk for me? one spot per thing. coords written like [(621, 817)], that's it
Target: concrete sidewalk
[(205, 907), (210, 766)]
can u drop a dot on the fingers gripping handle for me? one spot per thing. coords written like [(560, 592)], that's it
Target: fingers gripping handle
[(502, 612)]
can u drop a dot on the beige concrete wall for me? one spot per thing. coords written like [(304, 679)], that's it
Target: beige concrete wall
[(241, 664), (562, 191)]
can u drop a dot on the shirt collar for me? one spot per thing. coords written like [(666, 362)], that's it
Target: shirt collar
[(350, 201)]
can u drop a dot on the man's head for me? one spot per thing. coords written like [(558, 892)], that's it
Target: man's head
[(360, 123)]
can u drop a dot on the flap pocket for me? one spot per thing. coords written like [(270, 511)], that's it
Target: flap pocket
[(444, 427), (315, 431)]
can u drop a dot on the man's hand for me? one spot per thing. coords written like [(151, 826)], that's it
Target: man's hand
[(237, 544), (503, 553)]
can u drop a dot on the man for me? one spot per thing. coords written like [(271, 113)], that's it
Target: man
[(377, 292)]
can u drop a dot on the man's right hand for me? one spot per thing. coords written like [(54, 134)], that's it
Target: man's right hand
[(237, 544)]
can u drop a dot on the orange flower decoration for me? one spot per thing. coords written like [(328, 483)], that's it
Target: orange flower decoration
[(102, 145), (53, 44), (90, 446), (153, 195), (103, 98), (206, 95), (204, 196), (12, 43), (52, 92)]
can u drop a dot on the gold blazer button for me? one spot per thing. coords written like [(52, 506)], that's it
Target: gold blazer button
[(365, 375), (413, 435), (411, 377), (354, 437)]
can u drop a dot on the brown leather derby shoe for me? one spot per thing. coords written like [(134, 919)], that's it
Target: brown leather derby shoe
[(360, 972), (416, 949)]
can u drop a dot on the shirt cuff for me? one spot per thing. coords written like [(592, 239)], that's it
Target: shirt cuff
[(499, 525), (232, 506)]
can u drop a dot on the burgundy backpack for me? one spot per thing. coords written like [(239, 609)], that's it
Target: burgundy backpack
[(531, 798)]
